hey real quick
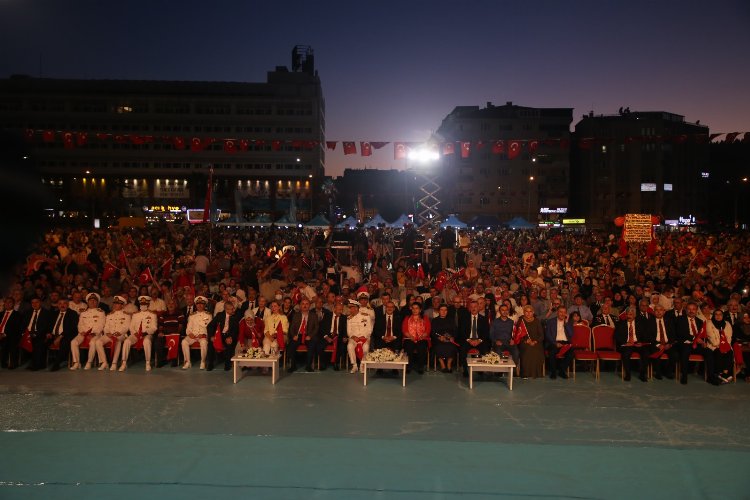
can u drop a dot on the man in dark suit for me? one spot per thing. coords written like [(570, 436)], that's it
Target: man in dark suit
[(689, 328), (304, 330), (557, 334), (11, 328), (473, 333), (605, 317), (387, 329), (677, 311), (64, 329), (38, 322), (333, 332), (227, 322), (634, 335), (456, 311)]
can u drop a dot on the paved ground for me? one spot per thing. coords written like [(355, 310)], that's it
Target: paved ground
[(324, 435)]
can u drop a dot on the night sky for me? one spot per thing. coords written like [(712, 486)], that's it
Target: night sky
[(391, 71)]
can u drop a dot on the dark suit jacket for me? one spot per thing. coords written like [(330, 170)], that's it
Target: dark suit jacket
[(15, 325), (643, 330), (378, 330), (44, 321), (599, 320), (464, 329), (550, 331), (326, 325), (234, 326), (683, 328), (69, 326), (312, 330), (670, 330)]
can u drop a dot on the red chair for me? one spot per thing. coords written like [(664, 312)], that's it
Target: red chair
[(604, 346), (582, 351)]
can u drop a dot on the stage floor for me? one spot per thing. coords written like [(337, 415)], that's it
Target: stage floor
[(323, 435)]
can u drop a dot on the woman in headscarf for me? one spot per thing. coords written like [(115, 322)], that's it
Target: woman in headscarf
[(719, 341)]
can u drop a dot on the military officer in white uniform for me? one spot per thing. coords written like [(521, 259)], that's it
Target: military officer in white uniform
[(115, 329), (359, 330), (143, 324), (196, 332), (364, 305), (90, 324)]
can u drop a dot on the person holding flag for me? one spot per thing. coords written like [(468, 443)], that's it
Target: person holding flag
[(116, 326), (529, 335), (276, 329), (691, 337), (38, 323), (90, 327), (359, 329), (143, 325), (557, 335), (197, 331), (171, 325), (719, 345), (223, 331)]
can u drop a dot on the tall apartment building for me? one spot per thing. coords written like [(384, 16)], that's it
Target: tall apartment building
[(639, 162), (532, 185), (115, 147)]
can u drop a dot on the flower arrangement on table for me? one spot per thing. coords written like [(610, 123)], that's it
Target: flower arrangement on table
[(491, 358), (381, 355), (254, 353)]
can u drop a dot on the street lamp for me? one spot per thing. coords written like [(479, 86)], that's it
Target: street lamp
[(528, 215)]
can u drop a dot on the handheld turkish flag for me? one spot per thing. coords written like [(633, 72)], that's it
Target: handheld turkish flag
[(399, 151), (739, 360), (563, 350), (280, 335), (173, 340), (109, 271), (257, 332), (350, 148), (26, 344), (701, 335), (519, 331), (365, 148), (359, 349), (514, 149), (724, 346), (465, 149), (146, 278), (166, 268), (285, 260), (218, 344)]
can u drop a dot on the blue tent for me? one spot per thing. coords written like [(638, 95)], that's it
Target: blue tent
[(284, 221), (519, 223), (399, 223), (483, 221), (318, 222), (375, 222), (350, 221), (261, 220), (453, 222)]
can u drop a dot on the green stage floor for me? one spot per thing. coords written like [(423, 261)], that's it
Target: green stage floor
[(171, 433)]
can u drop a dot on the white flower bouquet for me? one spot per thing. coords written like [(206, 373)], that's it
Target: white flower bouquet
[(381, 355), (491, 358), (254, 353)]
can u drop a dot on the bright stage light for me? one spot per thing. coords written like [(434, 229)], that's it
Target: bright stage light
[(423, 155)]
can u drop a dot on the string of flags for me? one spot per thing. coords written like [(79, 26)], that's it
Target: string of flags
[(510, 147)]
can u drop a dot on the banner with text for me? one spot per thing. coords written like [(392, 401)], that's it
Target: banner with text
[(638, 228)]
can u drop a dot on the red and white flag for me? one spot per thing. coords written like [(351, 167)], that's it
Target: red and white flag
[(178, 142), (449, 148), (514, 149), (230, 146), (533, 146), (331, 145), (109, 271), (399, 151), (465, 149), (365, 148), (81, 139), (350, 148), (173, 341), (498, 147), (146, 278), (68, 140)]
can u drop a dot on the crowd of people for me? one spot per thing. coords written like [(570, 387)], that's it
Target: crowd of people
[(181, 292)]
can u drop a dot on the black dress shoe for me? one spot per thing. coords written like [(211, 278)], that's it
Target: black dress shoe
[(420, 371), (627, 378), (466, 374), (209, 368), (658, 376), (322, 367), (683, 379), (174, 363), (563, 375), (670, 376), (309, 369), (227, 367), (642, 378), (54, 368), (553, 376), (336, 367), (291, 369)]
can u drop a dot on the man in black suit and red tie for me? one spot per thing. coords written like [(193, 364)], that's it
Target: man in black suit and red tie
[(226, 324), (665, 341), (634, 334), (11, 328), (473, 333), (691, 340), (333, 333), (37, 322), (64, 329), (387, 330)]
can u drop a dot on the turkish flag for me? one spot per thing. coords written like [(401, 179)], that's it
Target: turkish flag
[(480, 145), (48, 136), (449, 148), (102, 137), (310, 144), (218, 344), (145, 278), (465, 149), (26, 344), (514, 149), (498, 147), (259, 142), (244, 144), (196, 144), (137, 139), (121, 139), (379, 145), (109, 271), (29, 134), (297, 144), (178, 142), (399, 151), (585, 143), (280, 335), (166, 268), (365, 148), (68, 140), (533, 146), (331, 145), (230, 146), (350, 148), (285, 259), (81, 139), (276, 145), (173, 341)]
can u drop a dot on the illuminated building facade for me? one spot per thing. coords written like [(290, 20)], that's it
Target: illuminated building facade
[(117, 147)]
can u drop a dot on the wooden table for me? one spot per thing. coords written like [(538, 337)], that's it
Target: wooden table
[(269, 362), (505, 365), (397, 364)]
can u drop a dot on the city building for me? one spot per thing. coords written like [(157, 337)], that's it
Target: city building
[(489, 179), (109, 148), (640, 162), (373, 191)]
